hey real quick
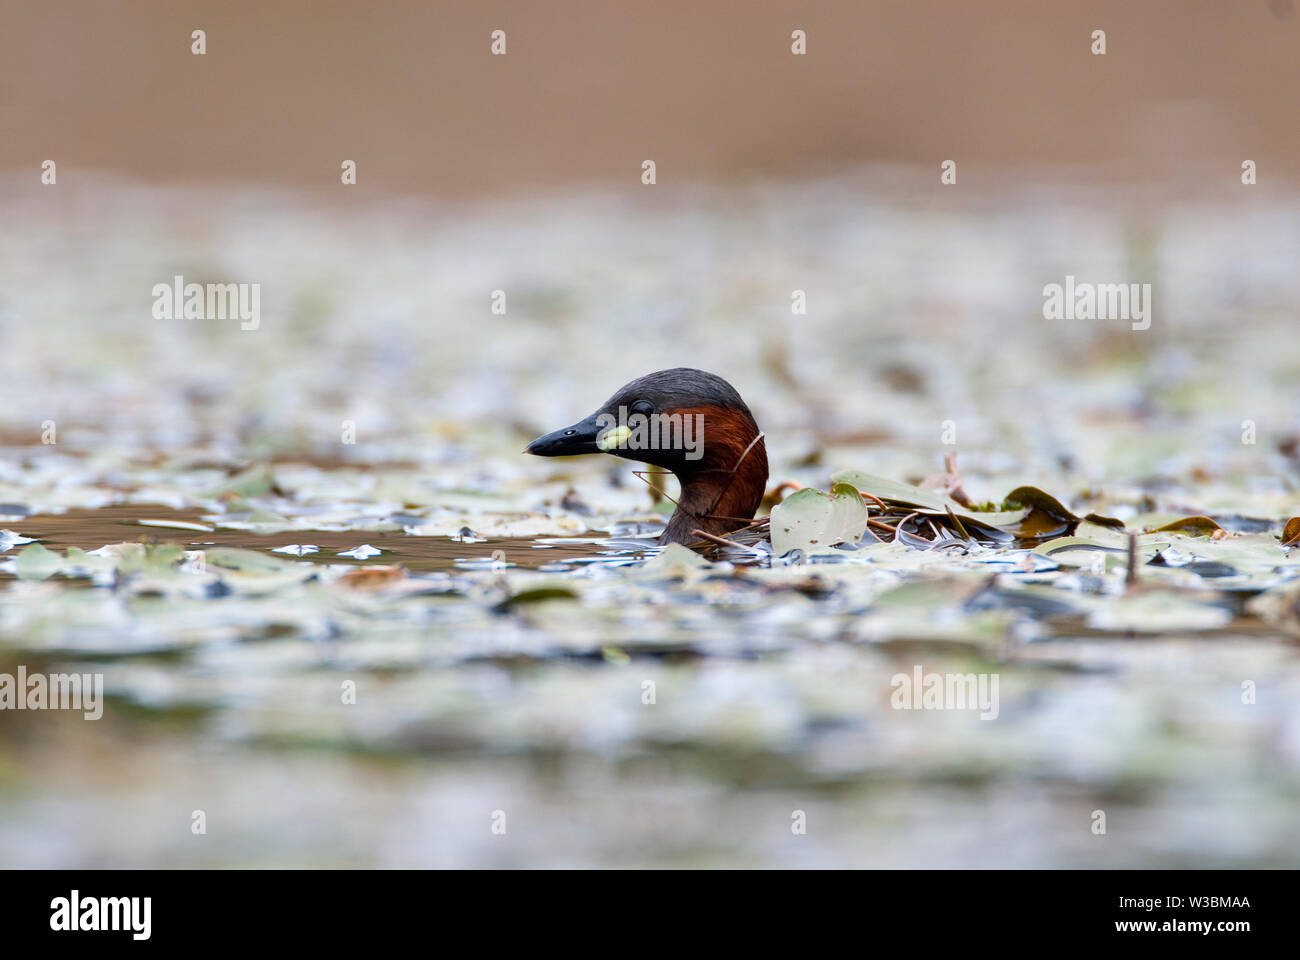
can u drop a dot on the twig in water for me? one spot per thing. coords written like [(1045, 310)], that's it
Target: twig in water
[(712, 539), (1131, 575)]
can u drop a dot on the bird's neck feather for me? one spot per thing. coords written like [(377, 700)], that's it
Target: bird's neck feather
[(722, 494)]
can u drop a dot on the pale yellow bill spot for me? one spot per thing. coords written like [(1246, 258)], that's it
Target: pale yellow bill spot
[(613, 437)]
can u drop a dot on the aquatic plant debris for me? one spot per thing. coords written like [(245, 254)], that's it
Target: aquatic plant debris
[(523, 642)]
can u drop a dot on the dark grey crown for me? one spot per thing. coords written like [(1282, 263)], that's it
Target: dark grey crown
[(680, 387)]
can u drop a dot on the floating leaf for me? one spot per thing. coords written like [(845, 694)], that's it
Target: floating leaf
[(1046, 516), (1157, 611), (535, 595), (674, 560), (1291, 532), (1037, 499), (249, 561), (1192, 526), (77, 559), (37, 563), (945, 512), (893, 490), (930, 595), (1101, 521), (161, 558), (1062, 545), (256, 481), (813, 521)]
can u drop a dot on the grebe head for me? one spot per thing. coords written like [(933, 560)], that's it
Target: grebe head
[(690, 422)]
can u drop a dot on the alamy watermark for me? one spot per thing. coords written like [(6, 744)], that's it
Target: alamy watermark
[(56, 691), (1098, 301), (652, 431), (179, 300), (75, 912), (945, 691)]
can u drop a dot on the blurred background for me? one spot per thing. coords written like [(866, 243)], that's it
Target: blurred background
[(586, 92), (521, 173)]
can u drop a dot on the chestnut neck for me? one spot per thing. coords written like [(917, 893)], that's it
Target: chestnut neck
[(724, 493)]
